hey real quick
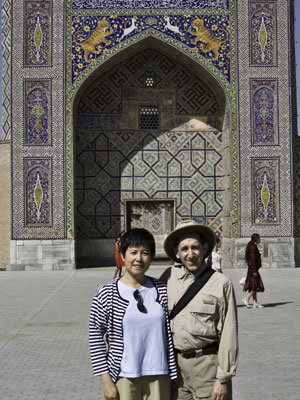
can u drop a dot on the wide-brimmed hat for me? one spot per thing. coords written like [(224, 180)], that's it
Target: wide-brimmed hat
[(189, 226)]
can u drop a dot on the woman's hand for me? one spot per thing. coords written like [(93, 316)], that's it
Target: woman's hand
[(110, 390), (255, 274)]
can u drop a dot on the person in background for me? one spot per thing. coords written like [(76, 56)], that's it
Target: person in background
[(118, 258), (132, 312), (253, 283), (216, 257)]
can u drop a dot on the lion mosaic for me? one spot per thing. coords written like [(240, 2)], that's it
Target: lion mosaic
[(207, 40), (97, 37)]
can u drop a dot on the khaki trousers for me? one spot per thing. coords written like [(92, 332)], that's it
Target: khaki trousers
[(156, 387), (196, 377)]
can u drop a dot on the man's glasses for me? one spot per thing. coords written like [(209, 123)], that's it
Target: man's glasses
[(140, 302)]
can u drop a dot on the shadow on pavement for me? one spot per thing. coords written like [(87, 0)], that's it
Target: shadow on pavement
[(268, 305)]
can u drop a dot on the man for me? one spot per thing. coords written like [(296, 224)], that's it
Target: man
[(205, 330)]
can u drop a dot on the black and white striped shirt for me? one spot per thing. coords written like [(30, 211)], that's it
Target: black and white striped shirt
[(107, 313)]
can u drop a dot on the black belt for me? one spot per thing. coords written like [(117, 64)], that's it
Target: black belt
[(192, 353)]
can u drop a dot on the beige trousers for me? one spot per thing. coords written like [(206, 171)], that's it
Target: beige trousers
[(196, 377), (156, 387)]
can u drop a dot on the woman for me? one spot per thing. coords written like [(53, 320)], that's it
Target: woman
[(253, 281), (139, 360), (118, 257)]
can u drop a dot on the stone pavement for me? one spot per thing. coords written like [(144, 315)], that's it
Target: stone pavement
[(44, 352)]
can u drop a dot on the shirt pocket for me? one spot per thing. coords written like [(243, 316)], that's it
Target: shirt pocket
[(202, 320)]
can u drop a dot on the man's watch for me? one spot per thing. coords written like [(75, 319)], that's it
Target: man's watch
[(222, 380)]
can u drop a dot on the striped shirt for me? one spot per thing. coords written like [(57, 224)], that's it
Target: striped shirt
[(107, 313)]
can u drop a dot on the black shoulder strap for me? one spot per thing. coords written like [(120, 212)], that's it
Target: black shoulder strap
[(192, 291)]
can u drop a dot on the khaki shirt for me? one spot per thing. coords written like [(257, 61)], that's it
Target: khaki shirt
[(211, 316)]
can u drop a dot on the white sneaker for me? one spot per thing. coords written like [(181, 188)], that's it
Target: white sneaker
[(258, 305), (244, 300)]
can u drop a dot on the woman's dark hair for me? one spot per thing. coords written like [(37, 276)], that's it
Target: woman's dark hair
[(137, 237), (255, 237)]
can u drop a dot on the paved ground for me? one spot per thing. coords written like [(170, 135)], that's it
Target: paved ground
[(44, 344)]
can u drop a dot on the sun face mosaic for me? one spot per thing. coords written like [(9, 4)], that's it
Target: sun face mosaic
[(207, 35)]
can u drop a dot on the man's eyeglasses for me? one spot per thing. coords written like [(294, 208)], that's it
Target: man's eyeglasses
[(140, 301)]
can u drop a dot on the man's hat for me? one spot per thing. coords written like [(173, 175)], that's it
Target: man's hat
[(185, 227)]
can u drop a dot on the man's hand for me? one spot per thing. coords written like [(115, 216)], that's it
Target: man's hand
[(219, 391), (110, 390)]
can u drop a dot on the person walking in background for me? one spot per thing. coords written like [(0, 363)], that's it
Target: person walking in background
[(131, 313), (118, 257), (216, 257), (253, 283)]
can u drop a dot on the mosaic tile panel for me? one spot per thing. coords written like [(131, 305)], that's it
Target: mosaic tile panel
[(149, 4), (38, 32), (95, 35), (264, 111), (115, 164), (37, 112), (171, 38), (263, 41), (265, 173), (37, 178), (53, 227), (193, 95), (185, 166), (296, 138), (6, 72), (247, 151), (296, 156)]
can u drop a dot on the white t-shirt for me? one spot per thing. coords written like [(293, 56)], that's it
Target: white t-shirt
[(144, 334), (216, 261)]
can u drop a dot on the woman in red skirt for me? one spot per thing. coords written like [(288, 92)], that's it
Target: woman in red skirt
[(253, 283)]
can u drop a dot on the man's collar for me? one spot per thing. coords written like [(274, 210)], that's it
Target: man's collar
[(183, 272)]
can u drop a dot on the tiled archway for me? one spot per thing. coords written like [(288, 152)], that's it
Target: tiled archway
[(148, 128)]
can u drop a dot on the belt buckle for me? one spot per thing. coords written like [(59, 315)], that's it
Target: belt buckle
[(188, 353)]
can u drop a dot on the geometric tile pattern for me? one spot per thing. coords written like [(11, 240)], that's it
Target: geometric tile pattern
[(97, 30), (38, 191), (6, 69), (38, 32), (115, 164), (185, 166), (282, 186), (43, 191), (193, 96), (37, 112), (296, 156), (149, 4), (94, 35), (295, 137), (264, 111), (265, 173), (263, 45)]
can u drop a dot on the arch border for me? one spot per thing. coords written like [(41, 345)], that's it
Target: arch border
[(72, 90)]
